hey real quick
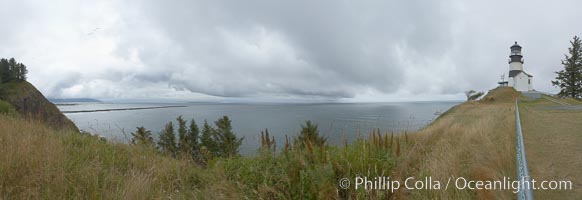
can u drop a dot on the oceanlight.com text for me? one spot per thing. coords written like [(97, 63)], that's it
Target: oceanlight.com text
[(460, 183)]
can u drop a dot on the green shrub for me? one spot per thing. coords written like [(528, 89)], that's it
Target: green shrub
[(142, 136), (310, 135), (6, 108), (304, 174)]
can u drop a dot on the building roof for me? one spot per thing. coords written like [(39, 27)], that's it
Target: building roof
[(515, 45), (514, 73)]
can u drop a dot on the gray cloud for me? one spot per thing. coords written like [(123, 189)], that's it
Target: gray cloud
[(364, 50), (300, 47)]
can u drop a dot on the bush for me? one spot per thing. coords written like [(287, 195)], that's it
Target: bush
[(6, 108), (310, 135), (142, 136), (303, 174)]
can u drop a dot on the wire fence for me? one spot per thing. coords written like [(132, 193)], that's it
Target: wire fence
[(525, 190)]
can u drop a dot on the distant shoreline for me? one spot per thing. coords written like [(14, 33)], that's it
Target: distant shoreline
[(119, 109)]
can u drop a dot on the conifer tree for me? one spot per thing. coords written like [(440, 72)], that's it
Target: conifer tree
[(207, 138), (192, 137), (225, 138), (22, 71), (11, 70), (4, 69), (569, 80), (167, 141), (310, 133), (142, 136), (183, 145)]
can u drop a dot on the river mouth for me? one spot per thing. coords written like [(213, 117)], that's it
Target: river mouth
[(338, 122)]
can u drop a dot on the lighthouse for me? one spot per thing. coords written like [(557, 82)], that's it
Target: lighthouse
[(517, 77)]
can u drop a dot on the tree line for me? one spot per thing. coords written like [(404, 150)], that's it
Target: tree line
[(213, 141), (11, 70), (186, 140), (569, 79)]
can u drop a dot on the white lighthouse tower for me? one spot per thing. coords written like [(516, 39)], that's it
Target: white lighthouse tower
[(517, 78)]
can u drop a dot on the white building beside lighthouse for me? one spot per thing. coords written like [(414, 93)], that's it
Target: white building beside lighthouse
[(517, 78)]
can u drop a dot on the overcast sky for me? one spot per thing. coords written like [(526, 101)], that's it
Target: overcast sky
[(300, 50)]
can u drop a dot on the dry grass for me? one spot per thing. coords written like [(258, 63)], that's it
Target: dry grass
[(474, 140), (38, 162), (501, 95), (572, 101), (553, 141)]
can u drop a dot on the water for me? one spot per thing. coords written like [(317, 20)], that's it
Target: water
[(337, 121)]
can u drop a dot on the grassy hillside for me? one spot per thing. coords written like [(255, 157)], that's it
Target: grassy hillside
[(7, 108), (44, 156), (40, 162), (30, 103), (501, 95), (553, 138), (474, 140)]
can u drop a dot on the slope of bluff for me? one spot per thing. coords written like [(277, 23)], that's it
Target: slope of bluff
[(31, 103)]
